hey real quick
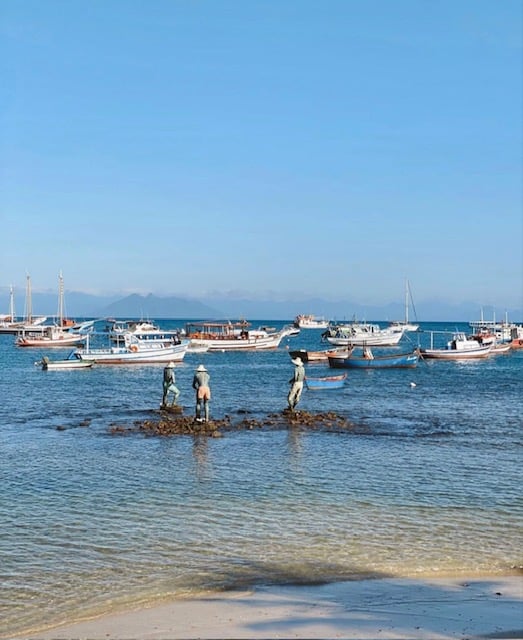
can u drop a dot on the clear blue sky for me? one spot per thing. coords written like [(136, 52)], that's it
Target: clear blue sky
[(331, 148)]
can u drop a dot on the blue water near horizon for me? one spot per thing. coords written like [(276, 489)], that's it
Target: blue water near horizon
[(427, 482)]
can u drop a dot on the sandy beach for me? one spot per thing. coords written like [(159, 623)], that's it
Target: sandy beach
[(384, 608)]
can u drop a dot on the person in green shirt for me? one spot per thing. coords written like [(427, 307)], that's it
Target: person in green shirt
[(169, 385), (296, 383)]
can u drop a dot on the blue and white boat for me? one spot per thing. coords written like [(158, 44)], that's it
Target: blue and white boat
[(367, 360), (325, 382)]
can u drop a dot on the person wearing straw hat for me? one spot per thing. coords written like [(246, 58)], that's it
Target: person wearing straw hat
[(203, 392), (169, 385), (296, 383)]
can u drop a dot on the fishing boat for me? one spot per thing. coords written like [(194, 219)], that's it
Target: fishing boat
[(316, 356), (325, 382), (367, 360), (362, 333), (304, 321), (461, 347), (503, 331), (132, 350), (71, 362), (231, 336)]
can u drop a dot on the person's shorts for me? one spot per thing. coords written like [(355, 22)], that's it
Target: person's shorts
[(203, 393)]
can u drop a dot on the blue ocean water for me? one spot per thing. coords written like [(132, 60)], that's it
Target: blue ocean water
[(427, 482)]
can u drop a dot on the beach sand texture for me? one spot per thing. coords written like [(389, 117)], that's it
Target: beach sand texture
[(436, 609)]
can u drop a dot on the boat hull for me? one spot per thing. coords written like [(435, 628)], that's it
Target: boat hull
[(388, 339), (238, 344), (395, 361)]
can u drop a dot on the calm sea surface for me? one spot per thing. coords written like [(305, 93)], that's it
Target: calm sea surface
[(428, 482)]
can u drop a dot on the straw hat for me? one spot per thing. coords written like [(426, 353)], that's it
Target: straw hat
[(297, 361), (170, 365), (201, 368)]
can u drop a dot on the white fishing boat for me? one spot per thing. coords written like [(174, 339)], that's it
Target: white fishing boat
[(361, 334), (132, 350), (71, 362), (310, 321), (231, 336), (461, 347)]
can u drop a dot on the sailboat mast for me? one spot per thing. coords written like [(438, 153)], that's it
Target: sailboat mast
[(28, 301), (12, 303), (60, 300), (406, 302)]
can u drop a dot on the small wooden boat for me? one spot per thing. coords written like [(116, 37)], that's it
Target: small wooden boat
[(317, 356), (325, 382), (53, 336), (369, 361), (71, 362)]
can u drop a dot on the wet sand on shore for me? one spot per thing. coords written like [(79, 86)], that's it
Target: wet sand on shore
[(438, 608)]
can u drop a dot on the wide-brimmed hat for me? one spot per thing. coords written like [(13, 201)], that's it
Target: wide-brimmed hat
[(297, 361), (201, 368), (171, 364)]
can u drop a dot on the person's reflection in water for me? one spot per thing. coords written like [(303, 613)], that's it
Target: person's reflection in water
[(295, 448), (200, 450)]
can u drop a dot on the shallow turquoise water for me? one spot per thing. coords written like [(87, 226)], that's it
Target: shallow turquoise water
[(427, 482)]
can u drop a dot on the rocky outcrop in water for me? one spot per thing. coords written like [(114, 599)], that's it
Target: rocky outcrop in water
[(171, 423)]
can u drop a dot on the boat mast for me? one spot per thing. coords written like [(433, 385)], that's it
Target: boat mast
[(60, 300), (12, 303), (28, 301), (406, 301)]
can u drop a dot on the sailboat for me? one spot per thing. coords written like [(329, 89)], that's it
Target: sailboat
[(405, 325), (56, 335), (10, 324)]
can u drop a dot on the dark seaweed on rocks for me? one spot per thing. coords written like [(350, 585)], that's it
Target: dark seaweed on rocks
[(172, 424)]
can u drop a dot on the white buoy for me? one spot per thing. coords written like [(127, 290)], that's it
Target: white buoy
[(412, 384)]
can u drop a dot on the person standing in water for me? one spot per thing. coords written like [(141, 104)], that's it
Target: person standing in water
[(296, 383), (203, 392), (169, 385)]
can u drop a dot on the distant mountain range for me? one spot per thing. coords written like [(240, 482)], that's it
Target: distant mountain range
[(150, 306)]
